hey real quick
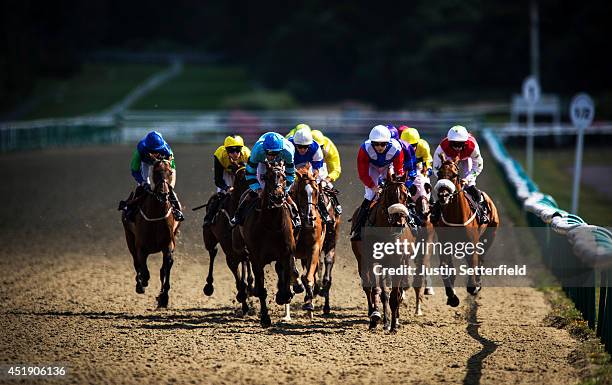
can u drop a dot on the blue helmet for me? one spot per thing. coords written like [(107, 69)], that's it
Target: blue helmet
[(394, 131), (272, 142), (154, 141)]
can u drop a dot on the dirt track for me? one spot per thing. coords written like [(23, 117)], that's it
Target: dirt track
[(68, 297)]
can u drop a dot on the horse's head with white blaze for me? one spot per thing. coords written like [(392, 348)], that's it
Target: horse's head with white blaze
[(448, 180), (305, 192), (420, 193), (394, 198)]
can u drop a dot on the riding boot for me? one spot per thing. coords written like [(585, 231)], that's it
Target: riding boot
[(176, 206), (323, 211), (295, 216), (212, 208), (362, 217), (436, 212), (481, 205)]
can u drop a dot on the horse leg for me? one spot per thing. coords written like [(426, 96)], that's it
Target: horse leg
[(449, 281), (209, 288), (417, 284), (250, 279), (327, 278), (262, 294), (295, 277), (142, 273), (241, 294), (386, 308), (164, 275), (283, 294), (474, 281), (375, 298), (309, 280), (394, 301)]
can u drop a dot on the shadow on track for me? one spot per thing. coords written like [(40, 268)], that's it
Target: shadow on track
[(474, 363)]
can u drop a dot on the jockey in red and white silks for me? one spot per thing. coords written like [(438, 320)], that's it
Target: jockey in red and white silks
[(461, 145)]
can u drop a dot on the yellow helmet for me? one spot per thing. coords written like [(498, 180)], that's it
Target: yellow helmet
[(410, 135), (318, 136), (302, 126), (233, 141)]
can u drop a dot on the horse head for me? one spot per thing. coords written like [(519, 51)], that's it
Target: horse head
[(448, 180), (274, 191), (420, 193), (162, 178), (394, 198), (305, 193)]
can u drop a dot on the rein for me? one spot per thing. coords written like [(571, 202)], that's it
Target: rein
[(457, 192)]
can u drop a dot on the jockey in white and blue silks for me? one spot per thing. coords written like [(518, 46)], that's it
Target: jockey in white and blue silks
[(269, 147), (307, 151)]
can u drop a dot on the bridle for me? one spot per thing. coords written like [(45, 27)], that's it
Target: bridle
[(306, 180), (401, 194), (275, 177)]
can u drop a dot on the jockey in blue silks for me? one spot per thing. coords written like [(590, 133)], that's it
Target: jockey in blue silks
[(149, 148), (269, 147), (410, 160)]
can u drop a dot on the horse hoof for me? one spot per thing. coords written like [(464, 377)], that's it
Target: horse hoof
[(298, 288), (429, 291), (326, 309), (265, 321), (473, 290), (162, 301), (241, 296), (375, 317), (418, 312), (316, 290), (139, 288), (251, 291), (453, 301), (245, 309), (209, 289), (308, 306)]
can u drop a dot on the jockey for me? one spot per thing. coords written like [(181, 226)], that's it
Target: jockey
[(228, 158), (331, 156), (409, 155), (142, 162), (271, 147), (462, 145), (376, 155), (421, 147), (309, 151)]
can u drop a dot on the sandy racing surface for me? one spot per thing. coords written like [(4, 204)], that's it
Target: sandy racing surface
[(68, 297)]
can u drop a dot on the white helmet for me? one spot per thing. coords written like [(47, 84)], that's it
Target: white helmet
[(303, 137), (457, 134), (380, 133)]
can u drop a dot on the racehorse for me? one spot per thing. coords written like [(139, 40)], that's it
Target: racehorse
[(305, 193), (220, 232), (324, 273), (456, 213), (267, 235), (389, 212), (154, 229), (420, 194)]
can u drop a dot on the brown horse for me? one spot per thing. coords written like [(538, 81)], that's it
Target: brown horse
[(267, 236), (420, 194), (389, 212), (305, 193), (220, 232), (456, 213), (326, 263), (154, 230)]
